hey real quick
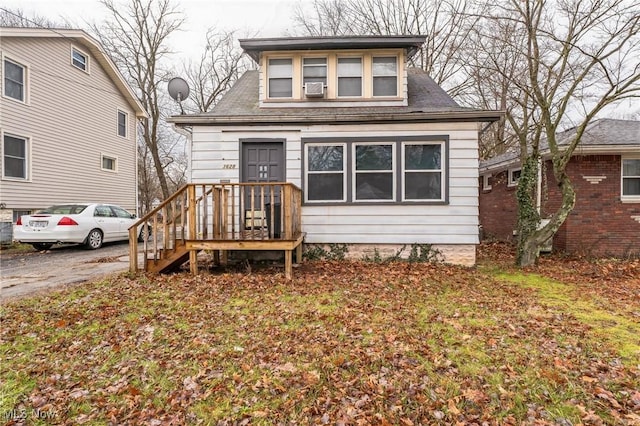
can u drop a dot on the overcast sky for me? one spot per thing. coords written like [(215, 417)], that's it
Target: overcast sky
[(266, 18)]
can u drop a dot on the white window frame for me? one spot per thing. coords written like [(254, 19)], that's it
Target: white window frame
[(25, 80), (623, 197), (84, 55), (512, 181), (326, 68), (109, 157), (361, 76), (269, 78), (355, 172), (486, 186), (441, 170), (126, 123), (373, 75), (344, 171), (27, 159)]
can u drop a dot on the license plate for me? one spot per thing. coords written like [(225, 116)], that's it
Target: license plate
[(38, 223)]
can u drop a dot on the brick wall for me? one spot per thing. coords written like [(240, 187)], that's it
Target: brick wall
[(498, 208), (599, 225)]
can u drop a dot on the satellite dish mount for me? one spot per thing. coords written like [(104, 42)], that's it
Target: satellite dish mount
[(178, 90)]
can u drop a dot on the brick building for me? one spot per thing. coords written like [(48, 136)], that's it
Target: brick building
[(605, 173)]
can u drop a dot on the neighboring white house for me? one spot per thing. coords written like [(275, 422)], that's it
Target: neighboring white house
[(383, 155), (68, 122)]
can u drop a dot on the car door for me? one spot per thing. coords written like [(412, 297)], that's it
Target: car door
[(108, 222), (125, 220)]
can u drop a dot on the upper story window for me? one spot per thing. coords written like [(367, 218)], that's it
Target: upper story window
[(79, 60), (15, 157), (349, 77), (280, 74), (122, 124), (631, 178), (385, 76), (14, 80), (314, 70)]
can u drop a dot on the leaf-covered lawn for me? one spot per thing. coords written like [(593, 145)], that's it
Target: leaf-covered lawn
[(342, 343)]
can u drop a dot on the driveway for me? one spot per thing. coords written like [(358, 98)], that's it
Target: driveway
[(24, 273)]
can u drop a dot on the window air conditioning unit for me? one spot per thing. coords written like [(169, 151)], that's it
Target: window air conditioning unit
[(314, 89)]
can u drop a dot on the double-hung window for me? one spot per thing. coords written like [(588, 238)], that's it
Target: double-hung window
[(122, 124), (385, 76), (79, 60), (314, 70), (280, 74), (422, 174), (349, 77), (374, 172), (15, 157), (325, 177), (14, 80), (631, 178)]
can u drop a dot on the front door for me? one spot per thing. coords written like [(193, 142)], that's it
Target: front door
[(262, 162)]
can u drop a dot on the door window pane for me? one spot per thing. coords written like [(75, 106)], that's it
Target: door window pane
[(349, 76), (385, 76), (13, 80), (280, 78), (15, 157)]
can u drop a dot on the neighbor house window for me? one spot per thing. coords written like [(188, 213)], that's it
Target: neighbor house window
[(15, 157), (325, 174), (385, 76), (109, 163), (422, 172), (374, 172), (314, 70), (514, 176), (79, 60), (631, 177), (122, 124), (349, 76), (280, 75), (14, 80), (486, 182)]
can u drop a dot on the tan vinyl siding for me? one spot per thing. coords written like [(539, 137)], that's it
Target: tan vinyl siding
[(453, 223), (71, 119)]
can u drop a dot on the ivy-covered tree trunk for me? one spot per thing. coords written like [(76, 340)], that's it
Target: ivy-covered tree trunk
[(528, 215)]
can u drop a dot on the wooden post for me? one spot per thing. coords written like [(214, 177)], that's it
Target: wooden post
[(193, 254), (193, 261), (286, 210), (133, 249), (288, 264), (299, 253)]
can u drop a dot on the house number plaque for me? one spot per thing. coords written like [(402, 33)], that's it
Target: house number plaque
[(228, 166)]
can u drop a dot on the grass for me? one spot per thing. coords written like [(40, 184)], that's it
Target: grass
[(350, 343)]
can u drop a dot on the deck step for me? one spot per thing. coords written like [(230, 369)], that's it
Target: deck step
[(170, 260)]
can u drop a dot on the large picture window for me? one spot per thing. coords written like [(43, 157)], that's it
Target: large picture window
[(280, 74), (373, 171), (325, 172), (631, 177), (15, 157), (350, 77), (422, 171), (385, 76), (399, 169), (14, 80)]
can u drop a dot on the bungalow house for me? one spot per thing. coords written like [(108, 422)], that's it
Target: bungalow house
[(376, 154), (605, 173), (68, 123)]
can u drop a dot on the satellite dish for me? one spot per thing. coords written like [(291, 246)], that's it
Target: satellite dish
[(178, 90)]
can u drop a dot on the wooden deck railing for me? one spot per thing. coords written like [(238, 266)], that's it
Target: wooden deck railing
[(222, 212)]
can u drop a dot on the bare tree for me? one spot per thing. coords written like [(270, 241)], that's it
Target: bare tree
[(19, 19), (219, 67), (136, 38), (578, 58), (446, 25)]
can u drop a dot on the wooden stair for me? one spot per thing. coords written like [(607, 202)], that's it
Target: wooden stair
[(169, 259)]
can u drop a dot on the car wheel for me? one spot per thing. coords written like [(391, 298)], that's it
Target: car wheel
[(145, 234), (42, 246), (94, 239)]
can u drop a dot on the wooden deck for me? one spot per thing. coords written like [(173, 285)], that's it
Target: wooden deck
[(220, 217)]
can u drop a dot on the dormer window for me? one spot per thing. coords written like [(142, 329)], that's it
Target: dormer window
[(385, 76), (280, 74), (314, 70), (349, 77)]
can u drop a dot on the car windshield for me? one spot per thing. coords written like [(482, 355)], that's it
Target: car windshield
[(64, 209)]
